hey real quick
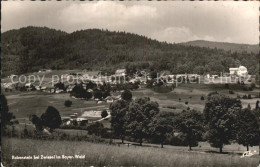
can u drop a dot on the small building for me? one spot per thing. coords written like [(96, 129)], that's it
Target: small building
[(44, 70), (109, 99), (120, 72), (241, 71)]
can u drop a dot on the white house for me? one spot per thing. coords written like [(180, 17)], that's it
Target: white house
[(120, 72), (109, 99), (241, 71)]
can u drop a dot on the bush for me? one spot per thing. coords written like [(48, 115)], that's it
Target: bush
[(249, 96), (212, 93), (202, 98), (253, 85), (186, 102), (104, 114), (244, 97), (126, 95), (231, 92), (68, 103), (226, 86), (97, 129)]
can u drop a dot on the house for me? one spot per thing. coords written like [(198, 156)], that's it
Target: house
[(70, 88), (82, 121), (109, 99), (120, 72), (44, 70), (241, 71)]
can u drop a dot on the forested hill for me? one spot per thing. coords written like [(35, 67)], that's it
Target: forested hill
[(32, 48), (224, 45)]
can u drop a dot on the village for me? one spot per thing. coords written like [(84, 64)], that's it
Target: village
[(104, 90)]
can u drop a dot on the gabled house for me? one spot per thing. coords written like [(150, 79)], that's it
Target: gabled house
[(241, 71), (120, 72)]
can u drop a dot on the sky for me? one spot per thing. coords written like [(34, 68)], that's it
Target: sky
[(170, 21)]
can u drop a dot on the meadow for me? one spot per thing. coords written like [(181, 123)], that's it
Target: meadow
[(112, 155), (24, 104)]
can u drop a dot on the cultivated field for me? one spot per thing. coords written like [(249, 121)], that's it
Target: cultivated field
[(112, 155)]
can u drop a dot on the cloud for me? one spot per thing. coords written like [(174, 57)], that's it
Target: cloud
[(108, 15), (178, 34), (171, 21)]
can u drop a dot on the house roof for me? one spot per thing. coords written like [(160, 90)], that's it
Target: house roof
[(120, 70)]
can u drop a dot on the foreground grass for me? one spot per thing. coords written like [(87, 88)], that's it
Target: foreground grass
[(108, 155)]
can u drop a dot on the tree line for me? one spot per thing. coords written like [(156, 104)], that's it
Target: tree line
[(32, 48), (223, 121)]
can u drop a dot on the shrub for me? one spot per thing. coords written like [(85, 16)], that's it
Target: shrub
[(231, 92), (249, 96), (126, 95), (186, 102), (104, 114), (253, 85), (68, 103), (51, 118), (202, 98), (97, 129), (212, 93), (226, 86), (244, 97)]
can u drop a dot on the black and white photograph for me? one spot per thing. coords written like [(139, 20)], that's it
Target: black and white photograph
[(130, 84)]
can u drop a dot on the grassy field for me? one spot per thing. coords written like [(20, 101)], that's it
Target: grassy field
[(23, 104), (112, 155)]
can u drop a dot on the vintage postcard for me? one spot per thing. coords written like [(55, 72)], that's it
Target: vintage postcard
[(130, 83)]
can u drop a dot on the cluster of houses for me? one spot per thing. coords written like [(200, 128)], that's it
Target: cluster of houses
[(120, 76)]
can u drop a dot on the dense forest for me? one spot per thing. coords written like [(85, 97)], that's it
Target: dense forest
[(32, 48), (234, 47)]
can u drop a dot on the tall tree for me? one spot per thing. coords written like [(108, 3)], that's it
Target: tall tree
[(247, 128), (219, 113), (51, 118), (118, 118), (190, 124), (139, 115), (6, 116), (160, 127)]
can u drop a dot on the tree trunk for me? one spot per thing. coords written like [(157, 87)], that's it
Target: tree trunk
[(141, 141), (161, 144), (247, 147), (123, 138), (220, 149), (190, 147)]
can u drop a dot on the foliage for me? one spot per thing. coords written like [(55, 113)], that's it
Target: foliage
[(6, 116), (32, 48), (219, 114), (98, 94), (97, 129), (126, 95), (37, 122), (160, 127), (51, 118), (79, 92), (118, 118), (247, 128), (68, 103), (104, 114), (190, 124), (139, 115), (60, 85)]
